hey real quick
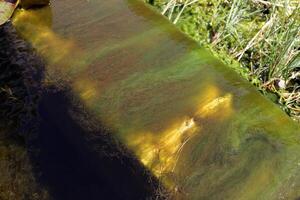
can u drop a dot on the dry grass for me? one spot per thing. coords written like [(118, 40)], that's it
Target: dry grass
[(17, 180)]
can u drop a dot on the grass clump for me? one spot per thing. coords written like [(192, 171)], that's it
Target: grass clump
[(17, 180), (18, 99), (259, 38)]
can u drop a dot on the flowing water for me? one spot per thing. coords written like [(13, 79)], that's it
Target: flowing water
[(174, 109), (44, 148)]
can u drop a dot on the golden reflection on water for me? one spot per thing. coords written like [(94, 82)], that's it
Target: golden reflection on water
[(220, 106), (160, 152), (36, 26), (87, 89), (157, 151), (63, 55), (213, 103)]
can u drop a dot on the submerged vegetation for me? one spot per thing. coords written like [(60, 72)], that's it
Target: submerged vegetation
[(259, 38)]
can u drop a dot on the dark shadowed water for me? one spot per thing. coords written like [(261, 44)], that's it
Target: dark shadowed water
[(76, 166), (73, 159)]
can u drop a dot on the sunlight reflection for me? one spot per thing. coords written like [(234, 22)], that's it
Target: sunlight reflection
[(160, 152), (35, 25), (63, 55), (220, 106), (87, 89)]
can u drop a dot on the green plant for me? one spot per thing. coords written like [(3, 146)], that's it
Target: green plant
[(260, 39)]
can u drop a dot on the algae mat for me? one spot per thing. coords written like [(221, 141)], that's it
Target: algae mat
[(196, 125)]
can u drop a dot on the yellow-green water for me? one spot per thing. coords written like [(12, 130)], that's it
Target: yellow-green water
[(201, 130)]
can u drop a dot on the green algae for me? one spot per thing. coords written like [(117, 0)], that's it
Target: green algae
[(199, 128)]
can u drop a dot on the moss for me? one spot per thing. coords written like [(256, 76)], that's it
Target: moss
[(18, 70)]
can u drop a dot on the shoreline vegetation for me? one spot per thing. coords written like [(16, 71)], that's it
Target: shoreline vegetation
[(18, 95), (260, 39)]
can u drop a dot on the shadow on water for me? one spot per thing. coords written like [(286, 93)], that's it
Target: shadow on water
[(79, 167), (71, 160)]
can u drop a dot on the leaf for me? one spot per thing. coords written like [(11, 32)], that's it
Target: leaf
[(6, 10)]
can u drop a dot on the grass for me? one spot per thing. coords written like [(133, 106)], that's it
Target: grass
[(17, 180), (260, 39)]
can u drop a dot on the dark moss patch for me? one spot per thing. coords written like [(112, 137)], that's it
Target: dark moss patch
[(20, 76)]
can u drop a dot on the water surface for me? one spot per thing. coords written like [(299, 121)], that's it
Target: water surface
[(201, 130)]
